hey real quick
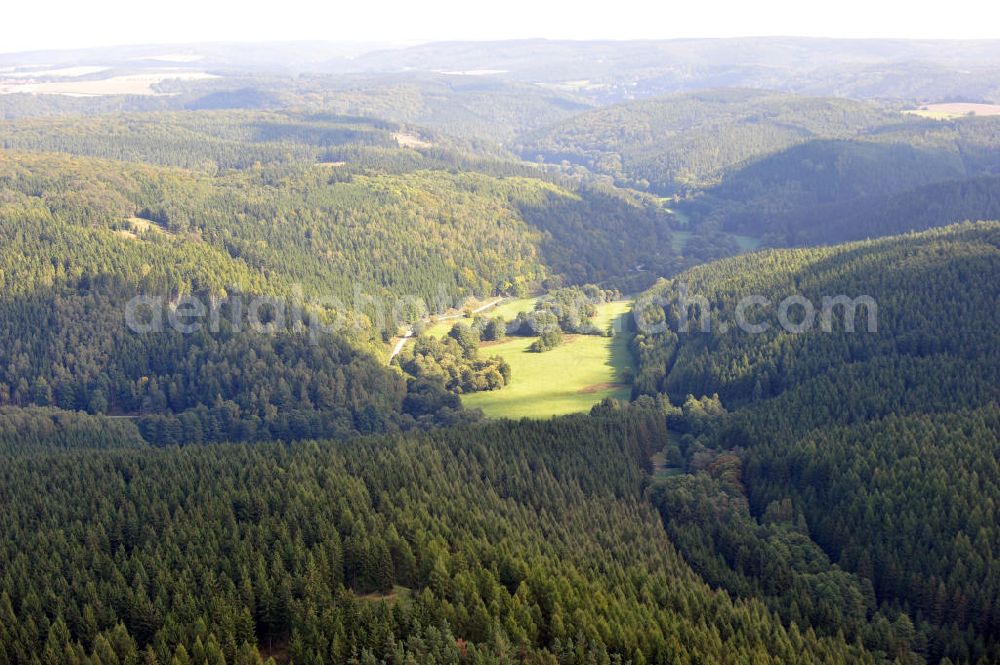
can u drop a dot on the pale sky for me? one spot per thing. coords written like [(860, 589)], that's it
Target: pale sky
[(46, 24)]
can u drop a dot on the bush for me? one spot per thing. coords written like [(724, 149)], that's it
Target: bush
[(546, 341)]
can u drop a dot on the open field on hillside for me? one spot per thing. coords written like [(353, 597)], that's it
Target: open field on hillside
[(568, 379), (130, 84), (956, 110), (406, 140)]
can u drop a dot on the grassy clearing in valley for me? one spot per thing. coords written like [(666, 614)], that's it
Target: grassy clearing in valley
[(568, 379)]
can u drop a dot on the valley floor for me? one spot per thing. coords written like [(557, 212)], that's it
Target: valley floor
[(568, 379)]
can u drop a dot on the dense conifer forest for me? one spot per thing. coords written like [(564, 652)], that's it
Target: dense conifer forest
[(827, 441), (526, 541)]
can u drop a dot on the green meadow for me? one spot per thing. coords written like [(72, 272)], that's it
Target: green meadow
[(509, 309), (568, 379)]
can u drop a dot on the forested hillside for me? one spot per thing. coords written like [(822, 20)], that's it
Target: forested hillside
[(335, 231), (66, 343), (918, 209), (880, 447), (683, 142), (486, 110), (920, 318), (72, 258), (526, 541), (480, 108), (204, 140), (769, 196), (240, 138), (784, 168)]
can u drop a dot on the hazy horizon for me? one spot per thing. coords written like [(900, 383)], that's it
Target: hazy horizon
[(64, 25), (365, 46)]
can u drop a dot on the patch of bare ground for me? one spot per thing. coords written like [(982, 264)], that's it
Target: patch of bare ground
[(407, 140), (394, 596), (138, 227), (276, 649), (659, 462), (597, 387), (142, 225)]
